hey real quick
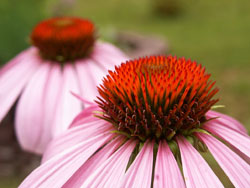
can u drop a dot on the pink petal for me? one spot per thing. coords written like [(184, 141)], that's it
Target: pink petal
[(50, 101), (97, 70), (85, 116), (93, 163), (74, 136), (167, 173), (139, 173), (110, 50), (88, 86), (83, 100), (14, 76), (241, 142), (16, 60), (111, 172), (227, 121), (91, 71), (68, 105), (107, 56), (29, 113), (236, 168), (196, 171), (242, 155), (59, 169)]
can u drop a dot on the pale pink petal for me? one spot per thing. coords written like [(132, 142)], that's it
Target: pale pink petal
[(167, 173), (93, 163), (59, 169), (240, 141), (242, 155), (90, 72), (139, 173), (107, 56), (88, 86), (74, 136), (68, 105), (85, 116), (227, 121), (111, 172), (83, 100), (50, 101), (29, 119), (110, 50), (17, 59), (14, 76), (236, 168), (98, 71), (196, 171)]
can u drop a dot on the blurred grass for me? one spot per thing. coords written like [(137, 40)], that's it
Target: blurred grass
[(17, 19), (215, 33), (10, 182)]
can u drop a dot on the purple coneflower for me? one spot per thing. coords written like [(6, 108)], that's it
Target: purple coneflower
[(152, 120), (64, 57)]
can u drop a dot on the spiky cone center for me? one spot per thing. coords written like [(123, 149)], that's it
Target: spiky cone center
[(156, 97), (64, 38)]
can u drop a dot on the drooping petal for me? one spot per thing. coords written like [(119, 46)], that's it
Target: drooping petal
[(93, 163), (88, 86), (87, 115), (14, 76), (107, 56), (236, 168), (98, 71), (83, 100), (104, 57), (29, 119), (110, 50), (227, 121), (241, 142), (242, 155), (58, 170), (139, 173), (167, 173), (90, 72), (17, 59), (196, 171), (74, 136), (68, 105), (111, 172), (51, 92)]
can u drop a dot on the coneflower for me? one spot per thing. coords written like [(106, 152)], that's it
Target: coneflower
[(64, 57), (152, 119)]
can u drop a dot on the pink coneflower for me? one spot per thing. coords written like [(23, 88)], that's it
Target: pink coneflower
[(152, 119), (64, 57)]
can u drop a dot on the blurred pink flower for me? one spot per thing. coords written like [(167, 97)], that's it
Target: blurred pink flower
[(141, 137), (64, 58)]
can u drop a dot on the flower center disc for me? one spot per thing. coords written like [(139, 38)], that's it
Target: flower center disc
[(156, 97), (64, 38)]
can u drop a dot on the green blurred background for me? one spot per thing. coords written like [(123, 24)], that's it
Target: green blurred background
[(214, 33)]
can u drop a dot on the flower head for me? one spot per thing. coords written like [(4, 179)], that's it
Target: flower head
[(64, 38), (157, 97), (153, 118), (65, 57)]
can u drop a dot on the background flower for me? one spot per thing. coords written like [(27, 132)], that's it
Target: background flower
[(64, 57)]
